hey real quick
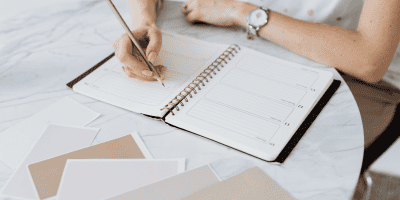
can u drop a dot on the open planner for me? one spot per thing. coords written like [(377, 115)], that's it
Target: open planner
[(233, 95)]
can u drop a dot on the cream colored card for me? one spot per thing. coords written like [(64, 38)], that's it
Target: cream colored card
[(46, 175), (55, 140), (175, 187), (101, 178), (17, 141), (251, 184)]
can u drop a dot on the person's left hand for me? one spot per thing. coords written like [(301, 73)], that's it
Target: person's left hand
[(216, 12)]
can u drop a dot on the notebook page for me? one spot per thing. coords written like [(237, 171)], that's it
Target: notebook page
[(185, 59), (255, 103)]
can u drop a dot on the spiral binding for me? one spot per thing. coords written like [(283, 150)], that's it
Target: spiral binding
[(187, 91)]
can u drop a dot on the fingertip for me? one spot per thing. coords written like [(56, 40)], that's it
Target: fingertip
[(115, 44), (152, 57), (163, 69)]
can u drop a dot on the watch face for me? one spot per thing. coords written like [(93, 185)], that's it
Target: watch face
[(258, 17)]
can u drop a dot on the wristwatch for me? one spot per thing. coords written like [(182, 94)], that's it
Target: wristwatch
[(256, 19)]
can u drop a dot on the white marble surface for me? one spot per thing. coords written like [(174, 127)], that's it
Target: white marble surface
[(45, 48)]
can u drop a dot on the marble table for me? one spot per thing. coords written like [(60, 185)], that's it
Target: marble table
[(45, 48)]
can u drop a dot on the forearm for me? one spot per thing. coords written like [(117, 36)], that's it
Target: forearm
[(344, 49), (142, 12)]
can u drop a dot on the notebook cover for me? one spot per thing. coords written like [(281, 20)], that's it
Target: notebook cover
[(308, 121), (79, 78), (292, 142), (251, 184), (300, 131)]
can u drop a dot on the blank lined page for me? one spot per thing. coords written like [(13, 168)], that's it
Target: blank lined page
[(235, 120), (265, 87), (279, 73), (249, 103), (117, 83), (255, 103), (184, 57)]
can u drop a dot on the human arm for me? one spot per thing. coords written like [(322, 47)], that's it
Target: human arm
[(365, 53)]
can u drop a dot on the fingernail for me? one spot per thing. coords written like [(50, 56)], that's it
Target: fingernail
[(147, 73), (152, 57)]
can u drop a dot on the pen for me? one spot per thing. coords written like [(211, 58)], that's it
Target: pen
[(151, 67)]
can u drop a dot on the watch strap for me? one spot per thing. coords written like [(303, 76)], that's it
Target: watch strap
[(252, 30)]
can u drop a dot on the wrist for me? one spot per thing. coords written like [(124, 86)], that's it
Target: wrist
[(244, 9), (143, 23)]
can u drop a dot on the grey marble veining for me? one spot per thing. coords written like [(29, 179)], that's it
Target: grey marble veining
[(46, 48)]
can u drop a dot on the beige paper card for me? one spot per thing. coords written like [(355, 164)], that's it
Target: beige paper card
[(46, 175), (55, 140), (251, 184), (174, 187)]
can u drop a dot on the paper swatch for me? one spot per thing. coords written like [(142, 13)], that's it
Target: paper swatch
[(175, 187), (251, 184), (17, 141), (99, 179), (54, 141), (46, 175)]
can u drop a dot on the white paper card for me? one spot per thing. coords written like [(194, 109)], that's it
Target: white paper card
[(102, 178), (55, 140), (16, 142)]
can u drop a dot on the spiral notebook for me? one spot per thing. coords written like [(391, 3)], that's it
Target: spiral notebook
[(230, 94)]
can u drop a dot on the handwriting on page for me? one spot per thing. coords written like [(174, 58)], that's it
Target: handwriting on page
[(232, 119), (277, 72)]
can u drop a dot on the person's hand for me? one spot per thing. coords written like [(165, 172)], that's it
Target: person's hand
[(150, 39), (220, 13)]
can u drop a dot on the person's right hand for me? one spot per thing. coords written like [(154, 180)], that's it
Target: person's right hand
[(150, 39)]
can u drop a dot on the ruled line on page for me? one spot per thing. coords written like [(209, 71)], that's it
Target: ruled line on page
[(264, 87), (132, 91), (234, 120), (250, 103), (179, 63), (186, 47), (277, 72)]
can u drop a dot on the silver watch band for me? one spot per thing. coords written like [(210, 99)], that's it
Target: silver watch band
[(252, 30)]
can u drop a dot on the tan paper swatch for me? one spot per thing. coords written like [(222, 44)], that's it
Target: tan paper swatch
[(175, 187), (252, 184), (56, 140), (46, 175)]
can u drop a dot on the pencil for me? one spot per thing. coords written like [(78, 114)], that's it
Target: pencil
[(151, 67)]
